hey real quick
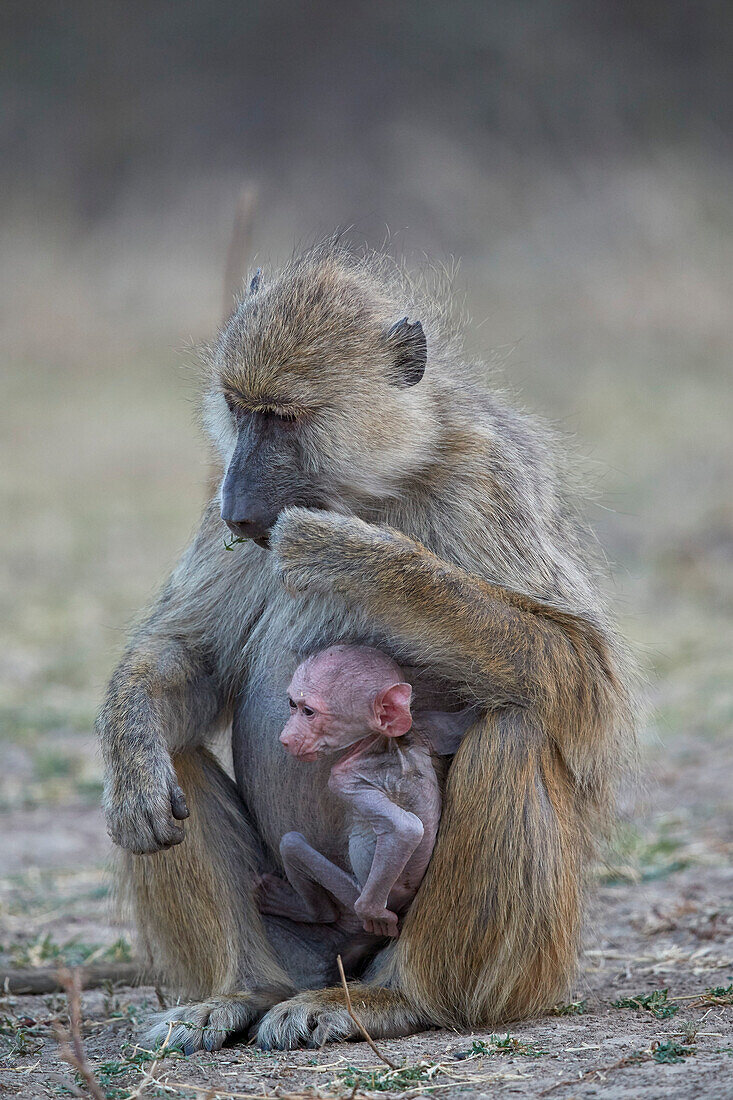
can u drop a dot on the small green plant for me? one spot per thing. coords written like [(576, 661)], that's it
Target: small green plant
[(511, 1045), (24, 1039), (506, 1044), (670, 1051), (55, 1003), (720, 994), (109, 1074), (656, 1003), (573, 1008), (233, 541), (635, 857), (119, 951), (112, 1076), (36, 952), (636, 1058), (20, 1034), (51, 764), (89, 790), (688, 1031), (115, 1010), (388, 1080), (45, 950), (477, 1048)]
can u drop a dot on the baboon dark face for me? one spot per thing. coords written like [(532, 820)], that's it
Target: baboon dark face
[(265, 472), (315, 399)]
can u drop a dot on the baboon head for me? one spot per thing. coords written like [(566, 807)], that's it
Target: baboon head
[(315, 397), (340, 696)]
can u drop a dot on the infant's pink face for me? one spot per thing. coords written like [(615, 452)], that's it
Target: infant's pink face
[(319, 723), (321, 720), (340, 696)]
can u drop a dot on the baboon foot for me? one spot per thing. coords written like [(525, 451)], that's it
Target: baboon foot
[(319, 1016), (209, 1024)]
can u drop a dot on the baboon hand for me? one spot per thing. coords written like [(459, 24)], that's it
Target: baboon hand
[(140, 808), (319, 550)]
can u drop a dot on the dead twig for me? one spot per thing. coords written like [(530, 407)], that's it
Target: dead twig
[(46, 979), (589, 1074), (149, 1074), (350, 1009), (240, 244), (208, 1093), (70, 1041)]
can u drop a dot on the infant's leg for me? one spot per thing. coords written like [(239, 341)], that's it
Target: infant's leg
[(277, 898), (316, 880)]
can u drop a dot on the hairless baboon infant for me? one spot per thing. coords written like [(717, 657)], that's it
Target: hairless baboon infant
[(353, 701)]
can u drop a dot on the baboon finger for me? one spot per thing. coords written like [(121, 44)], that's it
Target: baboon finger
[(174, 835), (178, 803), (165, 832), (212, 1038)]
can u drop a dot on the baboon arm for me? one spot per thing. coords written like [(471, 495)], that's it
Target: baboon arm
[(163, 691), (160, 701), (506, 647), (168, 692)]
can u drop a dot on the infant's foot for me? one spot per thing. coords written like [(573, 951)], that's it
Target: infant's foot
[(275, 896), (378, 922)]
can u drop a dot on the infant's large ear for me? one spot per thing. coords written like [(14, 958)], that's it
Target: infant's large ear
[(392, 710), (409, 350)]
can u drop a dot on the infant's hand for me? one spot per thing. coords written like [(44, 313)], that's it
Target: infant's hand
[(377, 921)]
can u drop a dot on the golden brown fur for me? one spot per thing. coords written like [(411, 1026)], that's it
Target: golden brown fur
[(443, 536)]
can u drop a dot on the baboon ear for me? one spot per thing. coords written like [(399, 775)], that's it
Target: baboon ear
[(254, 286), (409, 350), (392, 715)]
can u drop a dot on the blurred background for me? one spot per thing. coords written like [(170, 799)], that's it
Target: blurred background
[(577, 159)]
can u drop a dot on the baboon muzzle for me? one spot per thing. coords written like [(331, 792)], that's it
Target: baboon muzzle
[(249, 505), (247, 517)]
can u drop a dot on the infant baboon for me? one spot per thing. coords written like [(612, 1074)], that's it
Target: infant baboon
[(387, 499), (356, 698)]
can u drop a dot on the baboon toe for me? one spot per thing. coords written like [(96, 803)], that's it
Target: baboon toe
[(207, 1025), (304, 1021), (316, 1017)]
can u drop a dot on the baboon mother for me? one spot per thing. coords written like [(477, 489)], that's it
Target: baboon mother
[(381, 496)]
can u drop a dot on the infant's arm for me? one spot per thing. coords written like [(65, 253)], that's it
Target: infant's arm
[(398, 833)]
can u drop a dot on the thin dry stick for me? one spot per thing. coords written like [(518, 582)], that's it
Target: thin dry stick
[(70, 1042), (206, 1091), (46, 979), (149, 1074), (239, 246), (623, 1063), (350, 1009)]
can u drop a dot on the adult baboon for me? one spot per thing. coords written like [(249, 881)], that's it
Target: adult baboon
[(422, 516)]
